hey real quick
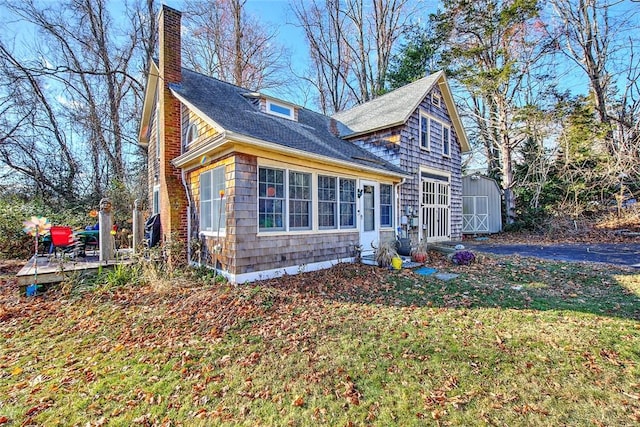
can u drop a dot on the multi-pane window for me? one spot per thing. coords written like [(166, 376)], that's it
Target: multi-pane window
[(327, 202), (434, 134), (213, 216), (347, 203), (285, 201), (299, 200), (386, 205), (271, 199)]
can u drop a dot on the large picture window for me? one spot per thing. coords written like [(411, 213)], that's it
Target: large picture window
[(213, 216), (271, 199), (386, 205), (286, 201)]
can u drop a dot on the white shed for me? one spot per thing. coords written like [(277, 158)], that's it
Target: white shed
[(481, 205)]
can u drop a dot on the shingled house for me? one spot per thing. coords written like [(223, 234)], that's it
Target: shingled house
[(260, 186)]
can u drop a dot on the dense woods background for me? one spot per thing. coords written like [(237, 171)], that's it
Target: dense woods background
[(549, 91)]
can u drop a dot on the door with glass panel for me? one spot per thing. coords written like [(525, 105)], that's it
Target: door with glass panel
[(369, 232)]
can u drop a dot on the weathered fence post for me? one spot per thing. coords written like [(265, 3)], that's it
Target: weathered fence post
[(105, 222), (138, 228)]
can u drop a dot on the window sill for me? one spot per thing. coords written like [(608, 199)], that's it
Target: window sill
[(223, 233), (276, 233)]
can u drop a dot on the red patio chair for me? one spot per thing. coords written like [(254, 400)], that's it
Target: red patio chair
[(62, 238)]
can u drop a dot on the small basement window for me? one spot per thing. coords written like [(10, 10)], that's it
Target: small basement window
[(280, 110)]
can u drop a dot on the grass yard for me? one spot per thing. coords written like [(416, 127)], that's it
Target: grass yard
[(510, 341)]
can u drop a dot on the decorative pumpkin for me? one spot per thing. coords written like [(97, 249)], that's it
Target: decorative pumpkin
[(420, 254), (419, 257)]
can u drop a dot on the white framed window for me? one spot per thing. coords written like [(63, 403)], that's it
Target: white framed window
[(155, 209), (424, 131), (271, 199), (280, 110), (446, 141), (347, 203), (336, 203), (299, 200), (434, 133), (386, 205), (213, 212), (436, 100), (288, 200), (190, 135), (327, 202)]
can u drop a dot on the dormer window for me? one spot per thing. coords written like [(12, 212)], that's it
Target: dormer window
[(280, 110), (191, 134)]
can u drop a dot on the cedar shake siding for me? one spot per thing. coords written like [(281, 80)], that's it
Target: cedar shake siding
[(244, 250), (400, 146)]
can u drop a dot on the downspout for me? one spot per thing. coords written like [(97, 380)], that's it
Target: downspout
[(397, 203)]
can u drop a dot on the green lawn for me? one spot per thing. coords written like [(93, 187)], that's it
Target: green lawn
[(509, 341)]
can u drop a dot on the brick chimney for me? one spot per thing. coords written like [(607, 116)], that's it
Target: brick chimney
[(173, 200)]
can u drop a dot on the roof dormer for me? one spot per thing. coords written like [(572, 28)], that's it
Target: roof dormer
[(275, 107)]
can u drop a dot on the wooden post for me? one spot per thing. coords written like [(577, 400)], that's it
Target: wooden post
[(105, 222), (138, 228)]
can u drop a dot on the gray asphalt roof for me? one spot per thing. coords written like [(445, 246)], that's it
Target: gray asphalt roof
[(225, 104), (387, 110)]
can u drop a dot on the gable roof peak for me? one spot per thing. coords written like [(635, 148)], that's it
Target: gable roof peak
[(394, 108), (391, 109)]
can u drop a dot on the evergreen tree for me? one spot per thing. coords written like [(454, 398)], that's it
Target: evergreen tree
[(414, 60)]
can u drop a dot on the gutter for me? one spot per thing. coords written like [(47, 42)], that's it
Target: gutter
[(229, 136), (399, 210), (287, 150)]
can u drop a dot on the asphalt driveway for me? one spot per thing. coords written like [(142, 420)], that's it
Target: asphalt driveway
[(627, 254)]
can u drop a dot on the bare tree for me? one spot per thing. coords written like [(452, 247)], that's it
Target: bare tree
[(601, 37), (350, 43), (78, 87), (227, 43), (331, 60)]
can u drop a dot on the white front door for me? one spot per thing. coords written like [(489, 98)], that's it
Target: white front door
[(435, 209), (369, 232)]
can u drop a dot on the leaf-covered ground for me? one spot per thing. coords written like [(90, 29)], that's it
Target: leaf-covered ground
[(510, 341)]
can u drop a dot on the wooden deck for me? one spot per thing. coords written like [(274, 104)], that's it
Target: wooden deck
[(55, 270)]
